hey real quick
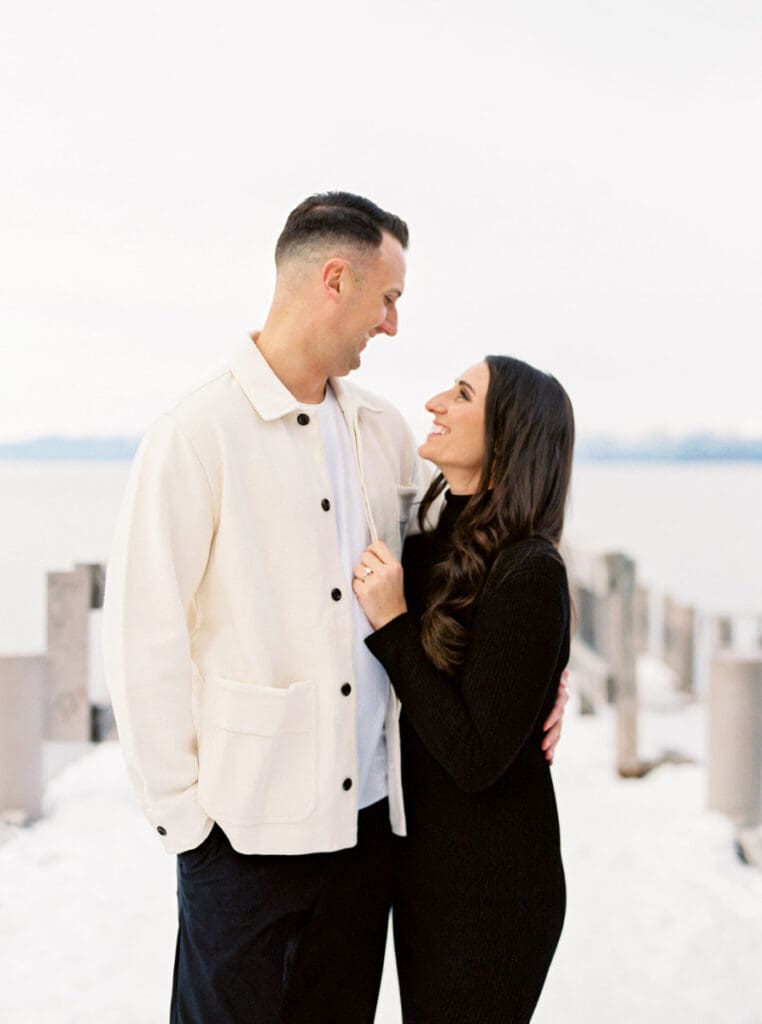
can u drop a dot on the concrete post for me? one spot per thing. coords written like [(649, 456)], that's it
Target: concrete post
[(679, 626), (68, 710), (620, 603), (735, 736), (22, 712)]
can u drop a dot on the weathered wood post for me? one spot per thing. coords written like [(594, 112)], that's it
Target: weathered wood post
[(642, 620), (71, 595), (97, 574), (589, 591), (600, 625), (581, 635), (679, 626), (68, 710), (101, 713), (620, 601), (735, 736), (723, 632), (22, 711)]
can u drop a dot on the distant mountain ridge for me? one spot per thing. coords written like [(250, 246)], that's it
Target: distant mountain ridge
[(111, 449), (691, 448)]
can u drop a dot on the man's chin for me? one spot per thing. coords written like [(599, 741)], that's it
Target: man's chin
[(355, 362)]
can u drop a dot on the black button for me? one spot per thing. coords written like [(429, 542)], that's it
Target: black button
[(336, 594), (161, 830), (302, 419), (325, 504), (347, 784), (346, 689)]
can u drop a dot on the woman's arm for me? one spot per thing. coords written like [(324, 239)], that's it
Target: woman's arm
[(476, 723)]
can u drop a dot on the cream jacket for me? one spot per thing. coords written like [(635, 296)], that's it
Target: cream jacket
[(227, 620)]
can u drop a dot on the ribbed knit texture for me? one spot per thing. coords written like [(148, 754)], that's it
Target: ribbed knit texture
[(481, 894)]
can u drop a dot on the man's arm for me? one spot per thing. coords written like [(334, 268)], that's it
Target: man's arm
[(159, 555)]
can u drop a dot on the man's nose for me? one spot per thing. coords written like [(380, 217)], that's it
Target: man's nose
[(387, 326)]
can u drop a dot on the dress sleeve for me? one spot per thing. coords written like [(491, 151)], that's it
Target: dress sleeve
[(476, 723)]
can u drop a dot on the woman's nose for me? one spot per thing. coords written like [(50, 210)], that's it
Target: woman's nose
[(436, 404)]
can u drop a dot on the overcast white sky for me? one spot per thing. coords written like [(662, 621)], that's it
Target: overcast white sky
[(581, 180)]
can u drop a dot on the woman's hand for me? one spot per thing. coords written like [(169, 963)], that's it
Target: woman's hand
[(379, 585), (554, 721)]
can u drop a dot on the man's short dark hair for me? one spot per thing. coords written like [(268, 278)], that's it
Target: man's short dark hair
[(337, 217)]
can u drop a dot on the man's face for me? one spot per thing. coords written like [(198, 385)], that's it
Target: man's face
[(369, 305)]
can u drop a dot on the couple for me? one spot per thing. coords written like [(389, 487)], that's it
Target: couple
[(251, 689)]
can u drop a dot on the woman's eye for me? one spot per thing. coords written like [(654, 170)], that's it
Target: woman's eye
[(463, 394)]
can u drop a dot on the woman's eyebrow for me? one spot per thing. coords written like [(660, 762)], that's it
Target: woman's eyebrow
[(465, 384)]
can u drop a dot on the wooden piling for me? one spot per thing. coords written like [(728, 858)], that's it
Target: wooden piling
[(642, 620), (735, 736), (620, 602), (68, 707), (679, 628), (22, 712), (723, 632)]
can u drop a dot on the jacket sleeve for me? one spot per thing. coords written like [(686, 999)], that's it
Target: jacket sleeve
[(476, 723), (159, 555)]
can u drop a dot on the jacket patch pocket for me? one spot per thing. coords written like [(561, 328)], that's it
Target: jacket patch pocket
[(258, 752)]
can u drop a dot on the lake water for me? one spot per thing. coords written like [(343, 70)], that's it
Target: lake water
[(693, 529)]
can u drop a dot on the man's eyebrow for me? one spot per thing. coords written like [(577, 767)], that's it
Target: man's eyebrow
[(465, 384)]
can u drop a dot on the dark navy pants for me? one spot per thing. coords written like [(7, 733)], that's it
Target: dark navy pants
[(283, 939)]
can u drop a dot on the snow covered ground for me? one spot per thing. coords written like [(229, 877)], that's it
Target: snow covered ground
[(663, 923)]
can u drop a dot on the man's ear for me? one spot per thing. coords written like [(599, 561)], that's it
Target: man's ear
[(334, 276)]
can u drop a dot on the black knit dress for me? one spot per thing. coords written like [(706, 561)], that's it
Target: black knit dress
[(480, 885)]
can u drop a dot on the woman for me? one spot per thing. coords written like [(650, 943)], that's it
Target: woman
[(475, 645)]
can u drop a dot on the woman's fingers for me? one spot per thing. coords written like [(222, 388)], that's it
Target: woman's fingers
[(554, 722), (562, 699), (379, 585), (371, 559), (382, 552), (369, 563)]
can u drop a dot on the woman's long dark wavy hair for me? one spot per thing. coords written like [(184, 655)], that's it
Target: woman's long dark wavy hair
[(525, 475)]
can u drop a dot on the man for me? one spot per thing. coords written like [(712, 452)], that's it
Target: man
[(260, 734)]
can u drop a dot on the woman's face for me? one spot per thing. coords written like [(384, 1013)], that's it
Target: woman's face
[(456, 442)]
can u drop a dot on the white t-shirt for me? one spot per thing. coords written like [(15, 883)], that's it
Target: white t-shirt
[(370, 680)]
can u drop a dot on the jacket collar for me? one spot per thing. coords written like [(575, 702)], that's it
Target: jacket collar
[(271, 398), (350, 398)]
